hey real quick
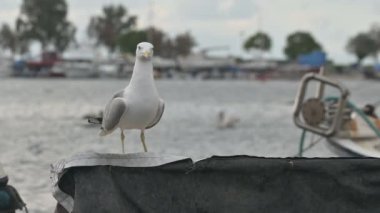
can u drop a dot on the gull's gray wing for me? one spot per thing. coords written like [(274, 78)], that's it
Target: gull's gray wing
[(160, 111), (116, 95), (115, 108)]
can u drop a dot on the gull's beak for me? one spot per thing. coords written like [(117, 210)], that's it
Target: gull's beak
[(147, 54)]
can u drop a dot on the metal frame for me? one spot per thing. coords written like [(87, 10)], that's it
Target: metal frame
[(327, 132)]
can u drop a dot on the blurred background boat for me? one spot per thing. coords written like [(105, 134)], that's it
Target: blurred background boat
[(5, 67)]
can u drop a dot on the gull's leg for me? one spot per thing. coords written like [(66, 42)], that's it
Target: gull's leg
[(122, 137), (142, 137)]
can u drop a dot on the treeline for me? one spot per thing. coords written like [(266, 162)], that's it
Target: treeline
[(365, 44), (362, 45), (116, 29), (297, 43), (45, 21)]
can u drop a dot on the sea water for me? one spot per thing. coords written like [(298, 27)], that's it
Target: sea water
[(41, 121)]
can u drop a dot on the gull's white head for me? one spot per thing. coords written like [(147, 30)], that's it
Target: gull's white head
[(144, 50)]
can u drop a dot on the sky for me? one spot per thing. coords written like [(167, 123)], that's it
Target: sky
[(227, 23)]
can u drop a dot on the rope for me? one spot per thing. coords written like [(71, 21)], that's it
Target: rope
[(302, 141), (360, 113), (312, 143)]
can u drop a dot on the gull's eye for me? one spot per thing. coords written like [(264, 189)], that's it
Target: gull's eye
[(139, 47)]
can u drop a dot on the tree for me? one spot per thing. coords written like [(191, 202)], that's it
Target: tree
[(362, 45), (300, 43), (164, 46), (13, 39), (184, 43), (158, 38), (108, 27), (46, 21), (259, 41), (128, 41), (8, 38), (374, 33), (168, 48)]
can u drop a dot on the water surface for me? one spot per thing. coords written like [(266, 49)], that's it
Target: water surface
[(41, 122)]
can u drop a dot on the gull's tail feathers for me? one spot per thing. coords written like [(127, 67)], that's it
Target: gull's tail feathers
[(104, 132), (95, 120)]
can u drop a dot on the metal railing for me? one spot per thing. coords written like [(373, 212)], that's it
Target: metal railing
[(300, 99)]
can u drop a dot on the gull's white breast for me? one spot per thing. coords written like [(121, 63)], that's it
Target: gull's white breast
[(141, 108)]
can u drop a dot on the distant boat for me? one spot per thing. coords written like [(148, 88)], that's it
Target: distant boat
[(5, 67), (80, 62), (77, 68), (371, 74), (41, 65)]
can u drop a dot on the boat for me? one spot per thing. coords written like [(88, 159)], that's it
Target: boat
[(76, 68), (348, 130), (5, 67), (79, 62), (371, 73), (41, 66)]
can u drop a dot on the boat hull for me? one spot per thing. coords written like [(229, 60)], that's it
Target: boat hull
[(349, 148)]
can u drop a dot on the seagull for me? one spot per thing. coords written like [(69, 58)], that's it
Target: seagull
[(226, 121), (138, 106)]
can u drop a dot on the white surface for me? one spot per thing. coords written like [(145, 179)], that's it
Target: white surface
[(355, 148)]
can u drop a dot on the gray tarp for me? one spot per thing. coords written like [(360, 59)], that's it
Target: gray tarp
[(218, 184)]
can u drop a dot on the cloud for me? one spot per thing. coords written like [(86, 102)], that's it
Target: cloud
[(225, 5), (214, 9), (9, 4), (9, 11), (9, 16), (331, 22), (228, 22)]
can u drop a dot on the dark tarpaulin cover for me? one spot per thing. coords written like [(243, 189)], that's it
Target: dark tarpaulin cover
[(228, 184)]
